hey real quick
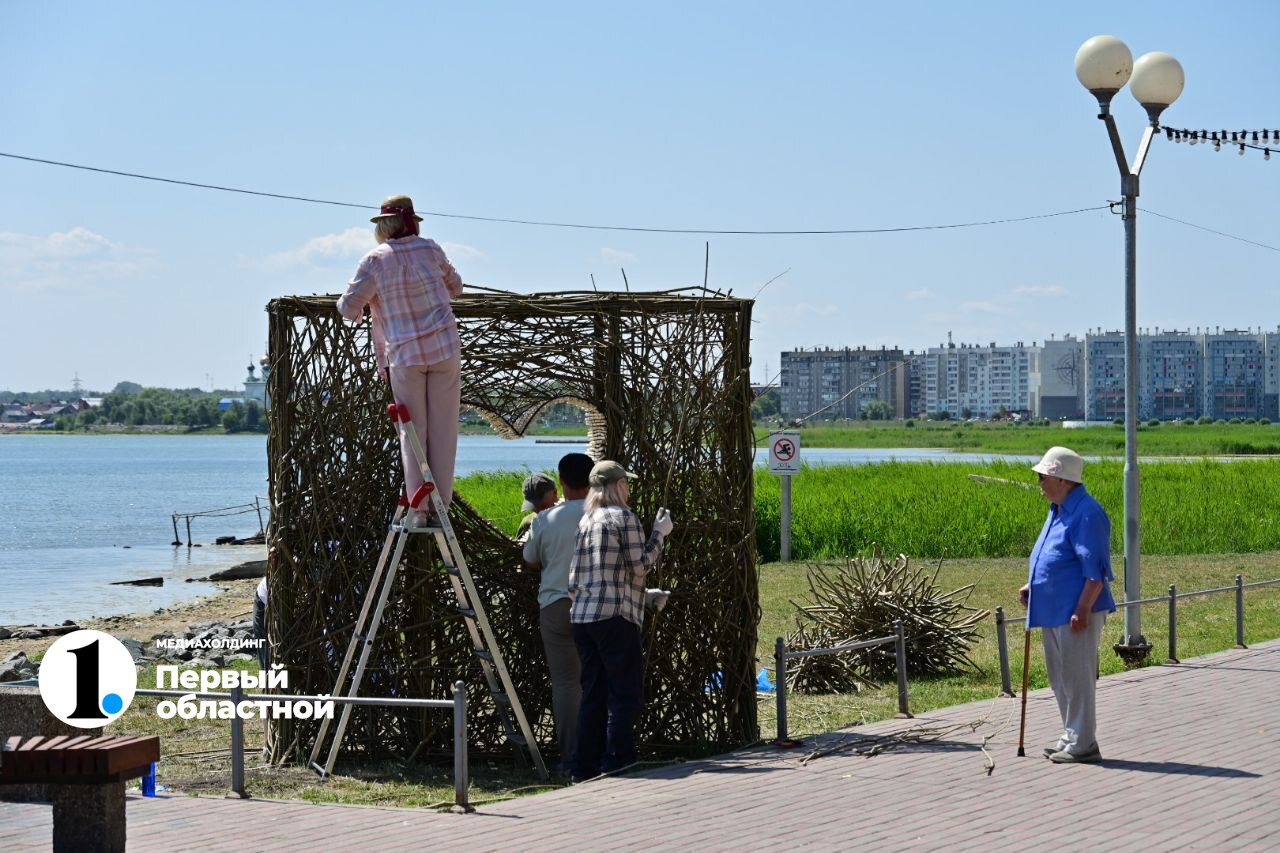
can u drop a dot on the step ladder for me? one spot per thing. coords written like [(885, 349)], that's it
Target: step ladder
[(514, 722)]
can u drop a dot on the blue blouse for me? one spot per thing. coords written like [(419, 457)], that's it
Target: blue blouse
[(1074, 546)]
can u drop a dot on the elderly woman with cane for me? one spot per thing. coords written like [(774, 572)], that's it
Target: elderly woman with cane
[(606, 583), (407, 283), (1068, 596)]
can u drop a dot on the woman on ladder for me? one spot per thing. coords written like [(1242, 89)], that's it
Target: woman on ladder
[(407, 283)]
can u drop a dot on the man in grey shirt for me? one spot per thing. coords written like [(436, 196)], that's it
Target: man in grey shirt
[(550, 547)]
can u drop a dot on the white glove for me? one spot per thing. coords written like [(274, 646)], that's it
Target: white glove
[(662, 524)]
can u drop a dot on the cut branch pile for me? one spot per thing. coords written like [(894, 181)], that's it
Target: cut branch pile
[(860, 601)]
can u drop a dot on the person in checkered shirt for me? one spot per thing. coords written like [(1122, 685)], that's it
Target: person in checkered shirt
[(606, 583), (407, 283)]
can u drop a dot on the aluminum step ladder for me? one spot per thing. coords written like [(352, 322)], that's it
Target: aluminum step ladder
[(514, 722)]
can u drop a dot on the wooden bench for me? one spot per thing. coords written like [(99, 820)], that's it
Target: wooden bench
[(87, 775)]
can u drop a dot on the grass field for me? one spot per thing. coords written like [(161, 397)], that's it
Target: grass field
[(1205, 624), (197, 755), (936, 510), (1168, 439)]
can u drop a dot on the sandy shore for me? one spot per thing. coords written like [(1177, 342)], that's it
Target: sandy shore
[(234, 600)]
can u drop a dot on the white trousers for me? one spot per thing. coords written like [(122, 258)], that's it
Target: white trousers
[(1072, 661), (432, 396)]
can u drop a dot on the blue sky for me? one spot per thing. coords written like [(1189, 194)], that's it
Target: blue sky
[(709, 115)]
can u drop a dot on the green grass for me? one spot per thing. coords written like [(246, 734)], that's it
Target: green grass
[(196, 760), (1168, 439), (934, 510), (1205, 624), (196, 754)]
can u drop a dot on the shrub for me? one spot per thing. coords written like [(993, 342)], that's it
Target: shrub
[(1250, 421), (1189, 422), (1154, 422), (1118, 421), (1265, 421), (1234, 421), (1204, 419), (910, 423)]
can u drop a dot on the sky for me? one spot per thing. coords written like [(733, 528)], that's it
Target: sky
[(670, 115)]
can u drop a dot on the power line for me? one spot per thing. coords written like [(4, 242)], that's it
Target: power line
[(1211, 230), (545, 224)]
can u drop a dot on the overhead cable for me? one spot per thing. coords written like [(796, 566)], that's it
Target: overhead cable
[(546, 224)]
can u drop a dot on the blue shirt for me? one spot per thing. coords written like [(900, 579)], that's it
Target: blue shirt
[(552, 542), (1074, 546)]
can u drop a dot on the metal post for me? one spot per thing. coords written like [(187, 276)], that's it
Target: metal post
[(177, 540), (188, 531), (1133, 647), (901, 647), (257, 505), (1173, 623), (237, 749), (1240, 612), (786, 518), (1006, 684), (1132, 493), (780, 671), (461, 781)]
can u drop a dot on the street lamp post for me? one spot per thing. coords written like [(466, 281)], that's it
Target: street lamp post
[(1103, 65)]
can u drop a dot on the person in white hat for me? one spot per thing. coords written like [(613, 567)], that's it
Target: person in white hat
[(1068, 596), (407, 283)]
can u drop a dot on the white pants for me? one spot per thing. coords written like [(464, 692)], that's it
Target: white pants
[(1072, 662), (432, 395)]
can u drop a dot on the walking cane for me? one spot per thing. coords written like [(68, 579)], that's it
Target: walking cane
[(1026, 667)]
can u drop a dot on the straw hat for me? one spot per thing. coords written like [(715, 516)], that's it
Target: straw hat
[(394, 206)]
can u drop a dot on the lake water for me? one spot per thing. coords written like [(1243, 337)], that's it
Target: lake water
[(80, 511)]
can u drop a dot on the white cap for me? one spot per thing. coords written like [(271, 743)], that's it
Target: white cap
[(1061, 462)]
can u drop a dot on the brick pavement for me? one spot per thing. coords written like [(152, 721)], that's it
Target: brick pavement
[(1192, 760)]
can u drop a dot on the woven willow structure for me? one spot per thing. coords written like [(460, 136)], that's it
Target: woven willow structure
[(664, 380)]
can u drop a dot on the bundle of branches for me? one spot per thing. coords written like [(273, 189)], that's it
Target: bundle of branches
[(860, 601), (837, 673)]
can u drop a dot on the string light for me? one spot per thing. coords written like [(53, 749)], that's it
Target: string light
[(1258, 140)]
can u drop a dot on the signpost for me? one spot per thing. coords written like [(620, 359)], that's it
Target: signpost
[(784, 460)]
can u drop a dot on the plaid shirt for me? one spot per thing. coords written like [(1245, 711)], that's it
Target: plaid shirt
[(407, 284), (606, 577)]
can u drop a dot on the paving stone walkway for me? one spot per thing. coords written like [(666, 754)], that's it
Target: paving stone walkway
[(1192, 760)]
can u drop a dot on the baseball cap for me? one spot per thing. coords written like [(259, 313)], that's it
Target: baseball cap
[(536, 486), (607, 472)]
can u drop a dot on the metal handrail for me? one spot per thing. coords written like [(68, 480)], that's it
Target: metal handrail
[(851, 647), (1238, 588), (781, 655), (461, 774)]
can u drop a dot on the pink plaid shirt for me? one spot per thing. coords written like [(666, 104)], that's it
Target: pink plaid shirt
[(407, 284)]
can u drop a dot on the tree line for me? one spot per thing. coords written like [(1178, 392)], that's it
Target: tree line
[(189, 407)]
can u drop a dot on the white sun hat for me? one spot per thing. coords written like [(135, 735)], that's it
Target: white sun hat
[(1061, 462)]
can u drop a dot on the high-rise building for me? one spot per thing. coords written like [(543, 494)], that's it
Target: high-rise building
[(1271, 376), (978, 380), (1234, 374), (1104, 373), (1057, 379), (1170, 375), (842, 382)]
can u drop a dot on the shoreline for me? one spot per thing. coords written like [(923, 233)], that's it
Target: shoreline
[(233, 600)]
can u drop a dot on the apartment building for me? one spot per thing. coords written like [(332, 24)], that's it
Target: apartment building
[(842, 382), (979, 380)]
